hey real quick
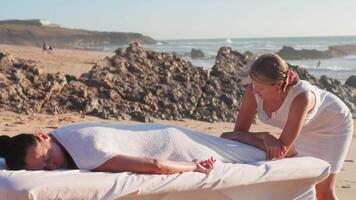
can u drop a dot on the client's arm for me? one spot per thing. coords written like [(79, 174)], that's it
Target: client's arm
[(122, 163)]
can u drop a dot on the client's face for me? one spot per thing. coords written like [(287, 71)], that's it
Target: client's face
[(46, 155)]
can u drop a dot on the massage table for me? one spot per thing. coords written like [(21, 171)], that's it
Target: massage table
[(290, 178)]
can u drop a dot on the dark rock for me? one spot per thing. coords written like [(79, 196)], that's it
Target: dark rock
[(248, 54), (351, 81), (70, 78), (196, 53), (142, 117), (290, 53)]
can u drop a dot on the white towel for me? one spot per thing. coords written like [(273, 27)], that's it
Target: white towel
[(91, 145)]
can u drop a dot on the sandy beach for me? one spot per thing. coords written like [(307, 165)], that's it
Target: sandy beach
[(76, 62), (66, 61)]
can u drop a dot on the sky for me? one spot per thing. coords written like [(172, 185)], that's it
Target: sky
[(194, 19)]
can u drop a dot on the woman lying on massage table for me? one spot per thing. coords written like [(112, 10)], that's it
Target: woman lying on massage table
[(111, 148), (44, 151)]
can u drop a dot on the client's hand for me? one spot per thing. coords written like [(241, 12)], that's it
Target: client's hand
[(204, 166)]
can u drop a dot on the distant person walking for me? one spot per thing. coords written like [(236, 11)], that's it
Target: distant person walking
[(47, 48), (44, 47), (318, 64)]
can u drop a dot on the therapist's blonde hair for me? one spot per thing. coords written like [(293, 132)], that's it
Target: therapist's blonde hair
[(269, 68)]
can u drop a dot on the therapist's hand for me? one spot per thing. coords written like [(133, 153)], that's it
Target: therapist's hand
[(229, 135), (275, 149)]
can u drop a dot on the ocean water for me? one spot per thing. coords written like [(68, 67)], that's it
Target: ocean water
[(338, 68)]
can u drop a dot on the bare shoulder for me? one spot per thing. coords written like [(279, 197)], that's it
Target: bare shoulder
[(305, 99)]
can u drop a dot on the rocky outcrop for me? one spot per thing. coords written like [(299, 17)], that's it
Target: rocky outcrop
[(196, 53), (34, 34), (224, 90), (24, 89), (5, 60), (351, 81), (290, 53), (248, 54), (140, 84)]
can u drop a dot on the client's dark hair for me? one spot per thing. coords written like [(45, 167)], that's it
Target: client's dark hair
[(14, 149)]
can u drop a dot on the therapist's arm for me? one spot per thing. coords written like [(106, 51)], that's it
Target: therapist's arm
[(258, 140), (244, 121), (300, 107)]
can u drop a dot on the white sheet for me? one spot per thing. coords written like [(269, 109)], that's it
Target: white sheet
[(90, 146), (291, 178)]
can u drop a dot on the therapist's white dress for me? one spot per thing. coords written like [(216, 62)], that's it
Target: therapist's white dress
[(327, 130)]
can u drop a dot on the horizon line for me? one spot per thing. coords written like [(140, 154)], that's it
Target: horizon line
[(257, 37)]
